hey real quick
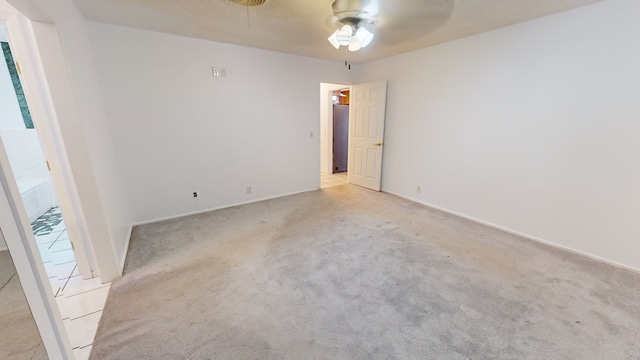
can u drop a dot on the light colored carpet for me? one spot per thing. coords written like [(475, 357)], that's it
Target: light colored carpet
[(19, 336), (348, 273)]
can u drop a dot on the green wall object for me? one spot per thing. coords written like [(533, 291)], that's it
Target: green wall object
[(22, 100)]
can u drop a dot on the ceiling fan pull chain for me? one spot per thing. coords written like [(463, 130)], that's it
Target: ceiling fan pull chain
[(346, 58)]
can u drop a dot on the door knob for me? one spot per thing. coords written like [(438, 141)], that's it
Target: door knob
[(379, 143)]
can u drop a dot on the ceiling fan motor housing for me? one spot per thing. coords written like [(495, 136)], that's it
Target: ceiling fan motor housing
[(355, 12)]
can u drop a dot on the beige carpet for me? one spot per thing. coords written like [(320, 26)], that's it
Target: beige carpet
[(348, 273), (19, 336)]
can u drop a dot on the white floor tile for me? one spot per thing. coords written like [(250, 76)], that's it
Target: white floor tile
[(46, 257), (77, 285), (333, 180), (64, 235), (60, 227), (48, 238), (82, 353), (75, 306), (62, 282), (60, 245), (45, 245), (63, 257), (82, 330), (55, 285), (51, 270), (63, 271), (80, 302)]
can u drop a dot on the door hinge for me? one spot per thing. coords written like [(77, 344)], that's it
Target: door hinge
[(18, 68), (48, 166), (73, 247)]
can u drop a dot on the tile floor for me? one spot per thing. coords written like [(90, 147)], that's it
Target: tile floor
[(329, 180), (80, 301)]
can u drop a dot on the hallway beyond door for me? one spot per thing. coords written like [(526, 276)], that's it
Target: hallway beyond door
[(80, 301)]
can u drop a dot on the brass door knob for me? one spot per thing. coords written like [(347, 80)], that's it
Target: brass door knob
[(379, 143)]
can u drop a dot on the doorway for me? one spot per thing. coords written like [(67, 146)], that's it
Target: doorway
[(29, 167), (366, 122), (60, 259), (340, 130), (334, 139)]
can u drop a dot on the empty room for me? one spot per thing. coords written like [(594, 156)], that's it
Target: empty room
[(484, 203)]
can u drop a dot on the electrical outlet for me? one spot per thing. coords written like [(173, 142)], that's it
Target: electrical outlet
[(249, 191), (195, 194), (418, 189), (215, 71)]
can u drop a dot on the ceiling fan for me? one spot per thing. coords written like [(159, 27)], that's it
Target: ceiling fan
[(353, 14)]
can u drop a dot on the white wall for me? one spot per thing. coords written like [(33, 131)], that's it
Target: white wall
[(25, 154), (177, 129), (533, 128), (21, 144)]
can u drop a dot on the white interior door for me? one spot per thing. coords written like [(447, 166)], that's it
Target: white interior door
[(366, 133)]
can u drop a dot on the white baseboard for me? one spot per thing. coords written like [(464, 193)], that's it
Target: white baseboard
[(123, 257), (221, 207), (435, 207), (510, 231)]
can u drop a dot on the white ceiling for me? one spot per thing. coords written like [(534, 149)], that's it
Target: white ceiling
[(302, 26)]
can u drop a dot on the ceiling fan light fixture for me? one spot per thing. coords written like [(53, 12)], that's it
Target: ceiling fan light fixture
[(364, 36), (354, 44), (353, 14), (333, 39), (344, 35), (353, 37)]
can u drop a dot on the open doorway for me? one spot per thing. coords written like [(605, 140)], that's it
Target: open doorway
[(29, 166), (334, 139), (367, 114), (79, 296)]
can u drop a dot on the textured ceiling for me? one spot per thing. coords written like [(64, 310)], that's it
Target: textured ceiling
[(302, 26)]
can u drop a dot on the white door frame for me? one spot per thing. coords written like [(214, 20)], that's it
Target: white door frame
[(326, 117), (36, 90), (29, 266), (13, 218)]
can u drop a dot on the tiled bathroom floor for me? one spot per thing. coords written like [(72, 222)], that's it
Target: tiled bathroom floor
[(80, 301), (329, 180)]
